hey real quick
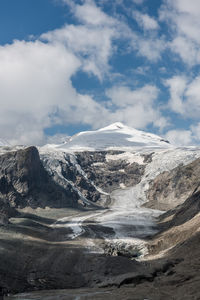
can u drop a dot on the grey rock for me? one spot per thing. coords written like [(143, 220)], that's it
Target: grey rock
[(170, 189), (108, 175), (25, 182)]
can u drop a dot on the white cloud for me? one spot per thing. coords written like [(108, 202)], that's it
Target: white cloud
[(187, 50), (123, 96), (193, 98), (34, 84), (151, 48), (36, 91), (196, 132), (183, 19), (94, 52), (92, 39), (177, 86), (145, 21), (136, 107), (90, 14), (99, 31), (184, 96), (180, 137), (185, 137)]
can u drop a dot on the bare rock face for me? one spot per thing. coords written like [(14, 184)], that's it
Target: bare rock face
[(25, 182), (186, 211), (170, 189), (67, 173), (178, 225), (178, 243), (109, 175)]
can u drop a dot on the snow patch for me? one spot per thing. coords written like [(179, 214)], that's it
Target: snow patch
[(129, 157)]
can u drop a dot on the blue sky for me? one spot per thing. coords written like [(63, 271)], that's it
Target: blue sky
[(68, 66)]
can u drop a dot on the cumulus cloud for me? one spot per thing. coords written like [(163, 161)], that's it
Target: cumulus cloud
[(94, 52), (36, 90), (136, 107), (34, 86), (184, 96), (89, 13), (91, 40), (123, 96), (111, 29), (177, 86), (196, 131), (182, 17), (187, 137), (145, 21), (185, 101), (180, 137), (151, 47)]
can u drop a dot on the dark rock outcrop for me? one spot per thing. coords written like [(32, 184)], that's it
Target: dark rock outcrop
[(108, 175), (25, 182), (66, 172), (6, 211)]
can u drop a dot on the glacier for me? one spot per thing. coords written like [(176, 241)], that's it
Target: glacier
[(125, 215)]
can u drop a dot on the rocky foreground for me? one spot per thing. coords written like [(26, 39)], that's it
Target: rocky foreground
[(38, 252)]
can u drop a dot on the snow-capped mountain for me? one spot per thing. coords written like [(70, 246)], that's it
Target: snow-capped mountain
[(103, 202), (114, 136)]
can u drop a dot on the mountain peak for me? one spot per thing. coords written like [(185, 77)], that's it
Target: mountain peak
[(116, 136), (113, 126)]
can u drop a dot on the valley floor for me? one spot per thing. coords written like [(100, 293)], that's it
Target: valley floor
[(48, 257)]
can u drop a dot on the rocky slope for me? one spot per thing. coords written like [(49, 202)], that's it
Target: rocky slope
[(109, 174), (179, 224), (171, 188), (25, 182)]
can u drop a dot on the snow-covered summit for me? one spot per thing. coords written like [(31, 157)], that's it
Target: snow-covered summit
[(114, 136)]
